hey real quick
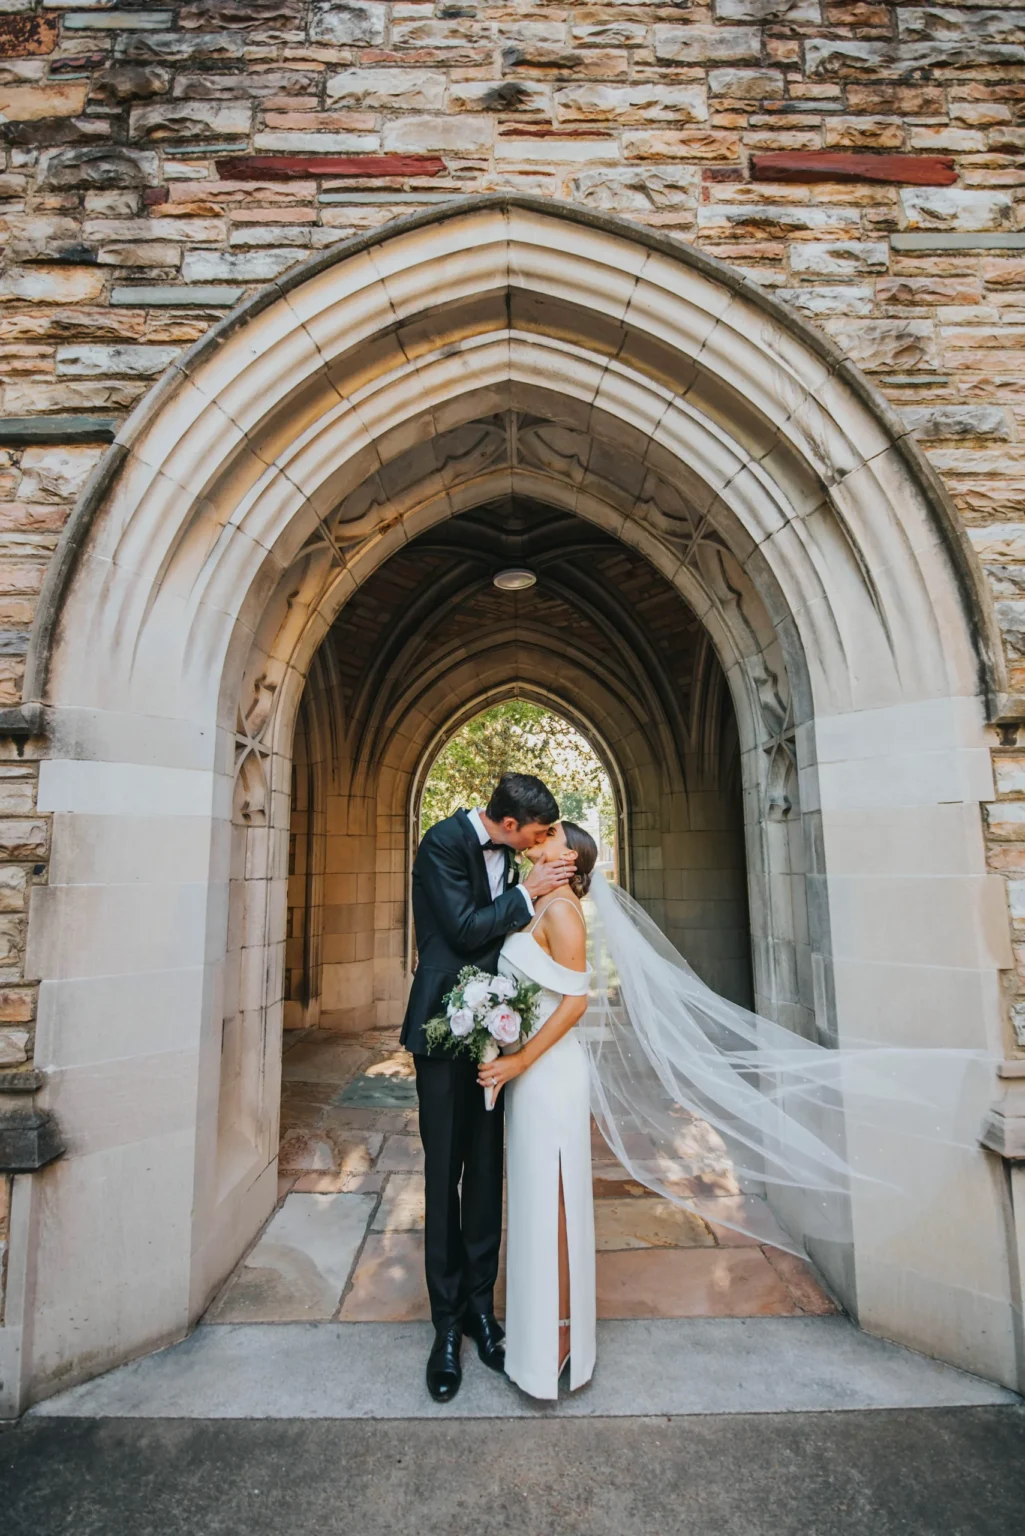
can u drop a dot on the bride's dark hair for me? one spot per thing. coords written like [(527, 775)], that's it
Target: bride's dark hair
[(586, 849)]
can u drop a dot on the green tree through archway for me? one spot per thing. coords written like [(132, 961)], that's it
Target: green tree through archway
[(524, 738)]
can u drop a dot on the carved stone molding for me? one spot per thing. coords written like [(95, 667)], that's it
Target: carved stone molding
[(1004, 1131), (29, 1137)]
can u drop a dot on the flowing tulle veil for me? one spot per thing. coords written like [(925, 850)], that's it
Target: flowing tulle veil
[(746, 1122)]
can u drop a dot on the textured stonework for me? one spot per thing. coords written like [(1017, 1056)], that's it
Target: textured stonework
[(160, 164), (121, 127)]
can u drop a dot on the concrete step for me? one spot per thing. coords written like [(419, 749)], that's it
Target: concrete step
[(645, 1368)]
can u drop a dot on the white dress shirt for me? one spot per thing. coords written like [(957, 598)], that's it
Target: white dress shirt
[(494, 858)]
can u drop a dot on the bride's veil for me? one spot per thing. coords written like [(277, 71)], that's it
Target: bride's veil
[(747, 1123)]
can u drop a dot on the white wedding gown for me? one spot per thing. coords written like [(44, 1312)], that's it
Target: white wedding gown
[(548, 1126)]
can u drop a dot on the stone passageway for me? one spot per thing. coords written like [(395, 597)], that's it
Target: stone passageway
[(345, 1241)]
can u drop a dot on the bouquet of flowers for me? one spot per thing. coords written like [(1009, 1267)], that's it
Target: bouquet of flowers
[(484, 1015)]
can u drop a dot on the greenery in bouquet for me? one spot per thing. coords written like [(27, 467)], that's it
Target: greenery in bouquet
[(484, 1013)]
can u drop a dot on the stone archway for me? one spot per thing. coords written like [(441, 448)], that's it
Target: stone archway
[(667, 402), (426, 642)]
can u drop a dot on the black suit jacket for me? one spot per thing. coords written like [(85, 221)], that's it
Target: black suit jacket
[(457, 923)]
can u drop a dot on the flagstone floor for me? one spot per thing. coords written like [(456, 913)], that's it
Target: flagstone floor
[(346, 1240)]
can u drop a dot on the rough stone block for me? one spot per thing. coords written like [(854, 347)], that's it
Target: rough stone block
[(828, 299), (143, 253), (796, 11), (355, 21), (882, 344), (30, 103), (37, 237), (462, 135), (778, 221), (864, 133), (317, 143), (273, 17), (995, 24), (747, 84), (957, 208), (942, 421), (140, 362), (105, 167), (527, 97), (130, 82), (707, 45), (249, 266), (637, 189), (23, 838), (188, 120), (173, 47), (632, 103), (706, 144), (405, 90), (55, 474), (52, 285), (843, 59), (17, 1005), (27, 36), (13, 1047), (840, 258)]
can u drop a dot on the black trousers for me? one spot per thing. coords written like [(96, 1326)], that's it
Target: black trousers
[(463, 1227)]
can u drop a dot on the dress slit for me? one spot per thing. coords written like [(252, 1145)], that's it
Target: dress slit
[(548, 1147)]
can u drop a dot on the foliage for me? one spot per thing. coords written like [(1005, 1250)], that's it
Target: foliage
[(518, 737)]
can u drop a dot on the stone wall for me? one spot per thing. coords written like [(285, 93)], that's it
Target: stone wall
[(161, 163)]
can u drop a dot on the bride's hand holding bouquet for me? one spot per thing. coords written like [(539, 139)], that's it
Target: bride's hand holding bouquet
[(484, 1016)]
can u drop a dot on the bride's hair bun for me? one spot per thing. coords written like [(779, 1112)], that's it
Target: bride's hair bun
[(586, 849)]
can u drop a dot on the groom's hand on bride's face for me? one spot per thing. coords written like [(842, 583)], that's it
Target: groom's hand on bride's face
[(550, 875)]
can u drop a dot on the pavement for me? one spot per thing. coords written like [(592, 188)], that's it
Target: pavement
[(897, 1472), (646, 1368), (730, 1396), (789, 1426)]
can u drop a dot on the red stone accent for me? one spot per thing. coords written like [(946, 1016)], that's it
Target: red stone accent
[(813, 165), (20, 35), (151, 196), (287, 167)]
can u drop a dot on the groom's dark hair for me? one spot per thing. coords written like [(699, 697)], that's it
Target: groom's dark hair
[(525, 797)]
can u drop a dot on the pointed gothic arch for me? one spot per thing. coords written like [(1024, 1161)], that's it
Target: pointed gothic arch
[(504, 346)]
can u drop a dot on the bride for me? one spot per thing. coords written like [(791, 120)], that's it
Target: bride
[(691, 1091), (550, 1284)]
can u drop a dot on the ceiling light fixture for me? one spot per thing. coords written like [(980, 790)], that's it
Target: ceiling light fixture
[(516, 579)]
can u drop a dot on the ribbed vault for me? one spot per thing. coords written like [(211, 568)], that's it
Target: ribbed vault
[(426, 640)]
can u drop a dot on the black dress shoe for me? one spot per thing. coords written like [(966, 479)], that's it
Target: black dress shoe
[(488, 1334), (444, 1372)]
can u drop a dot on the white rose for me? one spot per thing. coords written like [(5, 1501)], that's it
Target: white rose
[(503, 1023), (503, 987), (460, 1021), (475, 993)]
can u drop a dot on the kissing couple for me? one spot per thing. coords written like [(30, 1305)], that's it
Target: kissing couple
[(691, 1092), (469, 908)]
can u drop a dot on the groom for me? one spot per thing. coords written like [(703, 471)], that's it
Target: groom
[(465, 900)]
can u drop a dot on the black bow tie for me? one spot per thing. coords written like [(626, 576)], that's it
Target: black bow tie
[(490, 847)]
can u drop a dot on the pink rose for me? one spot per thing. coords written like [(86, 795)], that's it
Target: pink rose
[(460, 1022), (503, 1023)]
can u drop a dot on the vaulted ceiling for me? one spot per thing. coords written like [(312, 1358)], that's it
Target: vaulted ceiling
[(601, 618)]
